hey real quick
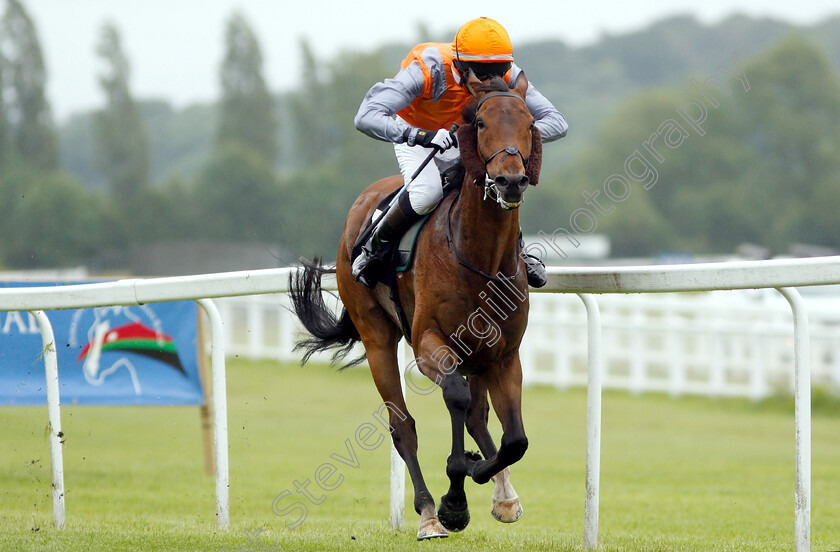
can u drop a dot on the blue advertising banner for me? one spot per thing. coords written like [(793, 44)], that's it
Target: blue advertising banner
[(135, 355)]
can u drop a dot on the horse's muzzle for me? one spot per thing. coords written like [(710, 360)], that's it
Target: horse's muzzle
[(510, 189)]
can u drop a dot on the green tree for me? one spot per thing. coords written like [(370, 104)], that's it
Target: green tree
[(14, 179), (25, 77), (120, 139), (54, 222), (247, 110), (166, 213), (310, 113), (791, 118), (764, 171), (320, 194), (238, 198), (4, 121)]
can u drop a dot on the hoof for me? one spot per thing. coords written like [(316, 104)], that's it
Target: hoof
[(472, 458), (506, 511), (453, 520), (431, 529)]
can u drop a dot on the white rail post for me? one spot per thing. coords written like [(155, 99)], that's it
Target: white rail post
[(593, 422), (397, 463), (220, 425), (54, 413), (802, 420)]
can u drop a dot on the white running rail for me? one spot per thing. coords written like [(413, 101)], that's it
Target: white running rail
[(783, 275)]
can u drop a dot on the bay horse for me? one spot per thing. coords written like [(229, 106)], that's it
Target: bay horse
[(465, 297)]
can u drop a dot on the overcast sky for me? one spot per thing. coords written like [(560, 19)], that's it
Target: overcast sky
[(176, 46)]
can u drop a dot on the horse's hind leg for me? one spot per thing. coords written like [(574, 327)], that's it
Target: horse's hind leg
[(386, 376), (505, 505)]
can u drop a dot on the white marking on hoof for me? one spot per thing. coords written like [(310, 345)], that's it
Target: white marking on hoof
[(431, 529), (506, 507), (506, 511)]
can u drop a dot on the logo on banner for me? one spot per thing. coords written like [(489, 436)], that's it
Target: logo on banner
[(108, 336)]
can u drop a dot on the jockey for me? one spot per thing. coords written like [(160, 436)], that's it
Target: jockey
[(418, 107)]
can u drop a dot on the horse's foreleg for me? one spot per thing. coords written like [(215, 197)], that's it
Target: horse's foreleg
[(504, 384), (505, 506), (438, 363), (453, 511)]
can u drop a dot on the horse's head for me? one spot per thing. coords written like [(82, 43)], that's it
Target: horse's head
[(500, 146)]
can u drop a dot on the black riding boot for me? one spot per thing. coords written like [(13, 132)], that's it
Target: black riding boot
[(534, 267), (368, 265)]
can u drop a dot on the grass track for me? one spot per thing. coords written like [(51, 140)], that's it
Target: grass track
[(687, 474)]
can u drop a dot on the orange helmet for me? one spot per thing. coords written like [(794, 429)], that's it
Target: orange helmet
[(482, 40)]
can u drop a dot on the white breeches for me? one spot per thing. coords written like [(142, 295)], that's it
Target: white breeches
[(426, 190)]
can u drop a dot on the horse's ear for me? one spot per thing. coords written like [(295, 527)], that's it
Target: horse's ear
[(520, 85), (473, 83), (468, 145), (535, 159)]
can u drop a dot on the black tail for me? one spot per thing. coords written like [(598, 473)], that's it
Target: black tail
[(327, 329)]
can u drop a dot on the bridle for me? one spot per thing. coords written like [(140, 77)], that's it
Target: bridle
[(490, 186), (490, 189)]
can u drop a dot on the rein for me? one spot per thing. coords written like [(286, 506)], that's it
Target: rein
[(464, 262)]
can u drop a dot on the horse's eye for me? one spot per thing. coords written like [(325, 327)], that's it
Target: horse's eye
[(479, 124)]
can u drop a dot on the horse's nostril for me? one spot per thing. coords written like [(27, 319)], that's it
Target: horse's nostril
[(506, 182)]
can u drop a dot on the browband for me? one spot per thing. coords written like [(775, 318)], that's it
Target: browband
[(495, 94)]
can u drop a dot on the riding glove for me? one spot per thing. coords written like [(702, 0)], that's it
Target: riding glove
[(441, 139)]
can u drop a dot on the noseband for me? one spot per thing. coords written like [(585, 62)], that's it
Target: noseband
[(490, 189)]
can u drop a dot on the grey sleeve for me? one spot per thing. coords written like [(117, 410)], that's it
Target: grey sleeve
[(375, 116), (550, 122)]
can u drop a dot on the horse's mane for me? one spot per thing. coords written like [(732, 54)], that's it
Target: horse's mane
[(496, 84)]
